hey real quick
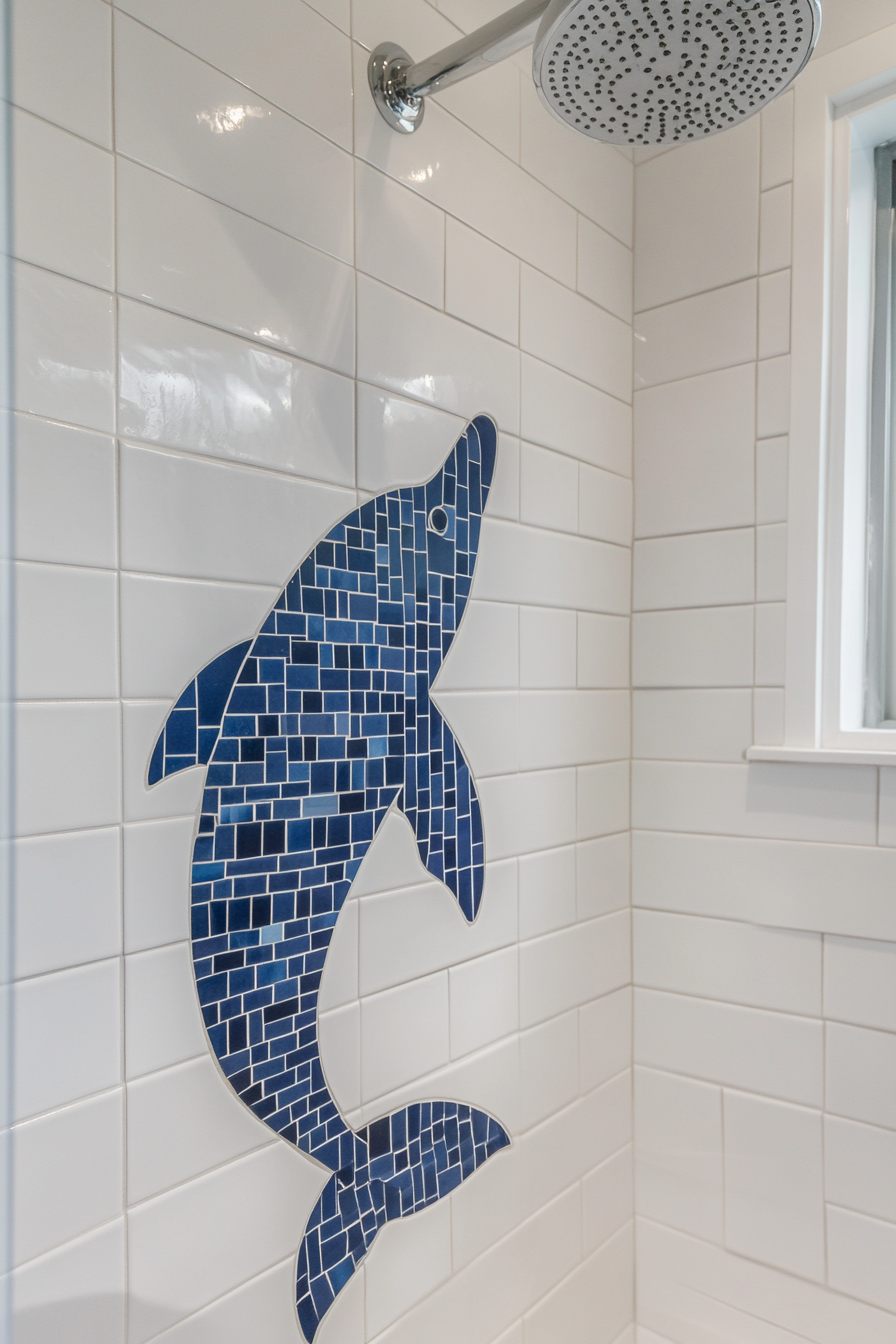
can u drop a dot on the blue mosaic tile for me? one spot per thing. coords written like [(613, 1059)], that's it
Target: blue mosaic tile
[(311, 732)]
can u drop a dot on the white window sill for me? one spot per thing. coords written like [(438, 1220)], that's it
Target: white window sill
[(821, 756)]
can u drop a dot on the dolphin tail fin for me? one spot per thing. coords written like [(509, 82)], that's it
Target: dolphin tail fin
[(191, 729), (404, 1162)]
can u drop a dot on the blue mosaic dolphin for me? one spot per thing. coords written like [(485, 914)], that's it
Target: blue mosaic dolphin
[(311, 731)]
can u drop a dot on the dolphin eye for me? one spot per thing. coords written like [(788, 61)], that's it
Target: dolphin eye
[(438, 521)]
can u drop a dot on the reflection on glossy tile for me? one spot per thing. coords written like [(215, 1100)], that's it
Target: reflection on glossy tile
[(190, 386)]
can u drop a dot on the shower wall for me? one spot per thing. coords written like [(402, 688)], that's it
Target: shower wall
[(765, 1018), (242, 305)]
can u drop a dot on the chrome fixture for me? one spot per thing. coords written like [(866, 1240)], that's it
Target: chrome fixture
[(631, 72)]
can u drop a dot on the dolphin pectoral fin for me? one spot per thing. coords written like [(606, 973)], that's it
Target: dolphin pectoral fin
[(191, 729), (404, 1162)]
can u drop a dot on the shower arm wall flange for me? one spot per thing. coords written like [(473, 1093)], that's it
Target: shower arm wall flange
[(399, 86)]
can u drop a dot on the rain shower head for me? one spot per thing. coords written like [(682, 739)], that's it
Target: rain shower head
[(633, 72)]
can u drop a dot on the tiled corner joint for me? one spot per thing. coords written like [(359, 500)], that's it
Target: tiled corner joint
[(311, 731)]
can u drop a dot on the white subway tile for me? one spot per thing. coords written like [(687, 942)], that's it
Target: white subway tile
[(566, 969), (605, 506), (339, 982), (549, 489), (404, 1033), (156, 882), (400, 238), (458, 170), (777, 141), (771, 652), (708, 647), (416, 930), (605, 1039), (860, 1167), (65, 494), (605, 269), (206, 134), (720, 959), (486, 1209), (504, 495), (392, 861), (607, 1202), (573, 727), (65, 355), (567, 1145), (190, 386), (66, 633), (264, 48), (886, 820), (67, 900), (482, 282), (434, 358), (594, 1303), (709, 569), (774, 1053), (488, 724), (697, 224), (566, 330), (264, 1304), (775, 229), (685, 725), (485, 652), (484, 1001), (68, 766), (771, 480), (70, 1022), (531, 566), (67, 1174), (141, 723), (858, 982), (163, 1024), (547, 643), (181, 251), (549, 1068), (602, 799), (694, 450), (411, 1265), (402, 442), (182, 1254), (773, 397), (204, 520), (76, 1293), (768, 717), (771, 563), (775, 802), (183, 1121), (339, 1033), (547, 885), (698, 335), (171, 628), (564, 413), (678, 1153), (860, 1257), (603, 651), (774, 1184), (58, 176), (490, 105), (603, 875), (831, 888), (774, 315), (62, 64)]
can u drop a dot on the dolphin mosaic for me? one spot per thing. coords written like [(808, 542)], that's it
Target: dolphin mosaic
[(311, 731)]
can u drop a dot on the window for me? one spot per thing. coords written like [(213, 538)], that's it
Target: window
[(880, 633)]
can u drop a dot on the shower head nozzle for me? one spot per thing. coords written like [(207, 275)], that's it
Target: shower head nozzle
[(631, 72), (657, 72)]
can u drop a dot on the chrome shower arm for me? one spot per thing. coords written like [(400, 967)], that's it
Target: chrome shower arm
[(489, 44), (399, 86)]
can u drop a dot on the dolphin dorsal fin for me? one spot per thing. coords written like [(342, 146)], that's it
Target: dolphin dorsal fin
[(191, 729)]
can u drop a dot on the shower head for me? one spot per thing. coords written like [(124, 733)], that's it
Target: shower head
[(631, 72), (656, 72)]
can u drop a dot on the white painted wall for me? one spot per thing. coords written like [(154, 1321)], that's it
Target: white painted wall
[(225, 338)]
